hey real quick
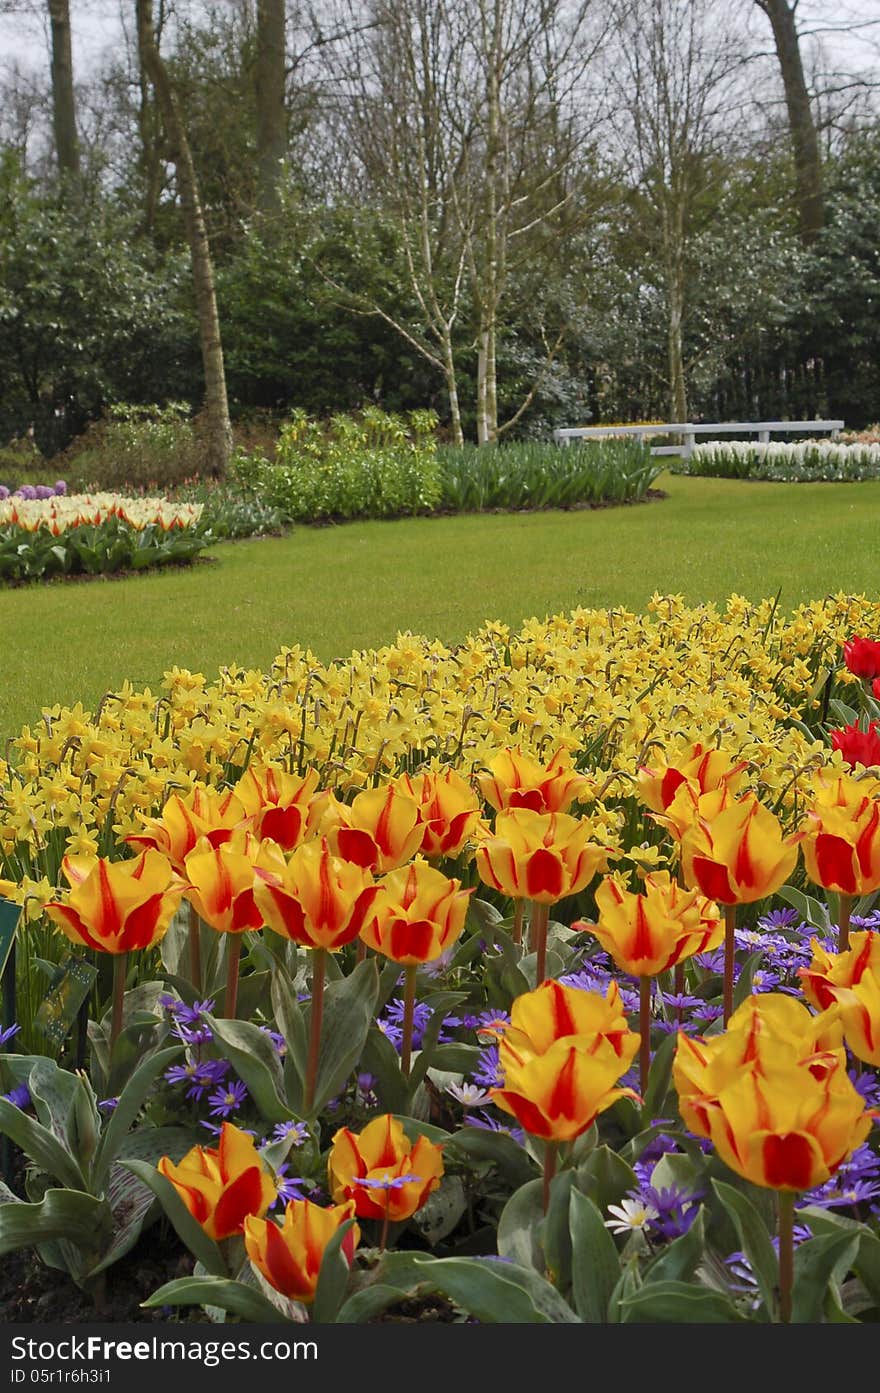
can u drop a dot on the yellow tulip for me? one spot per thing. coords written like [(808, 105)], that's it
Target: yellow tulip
[(290, 1255), (381, 1171), (539, 856), (221, 1186), (650, 932), (416, 915), (117, 906), (515, 780), (739, 854)]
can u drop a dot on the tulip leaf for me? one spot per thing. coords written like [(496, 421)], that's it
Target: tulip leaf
[(817, 1264), (605, 1178), (519, 1226), (441, 1003), (40, 1145), (125, 1113), (349, 1008), (491, 1290), (219, 1292), (414, 1128), (368, 1302), (479, 1144), (289, 1017), (255, 1059), (555, 1232), (381, 1059), (678, 1303), (68, 1214), (680, 1259), (627, 1285), (333, 1277), (754, 1240), (188, 1229), (53, 1093), (595, 1263), (659, 1077), (743, 989), (812, 911), (867, 1260), (439, 1216)]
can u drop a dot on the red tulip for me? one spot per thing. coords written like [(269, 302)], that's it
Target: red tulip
[(862, 657), (858, 746)]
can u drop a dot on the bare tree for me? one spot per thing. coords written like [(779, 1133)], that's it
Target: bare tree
[(672, 92), (218, 430), (269, 85), (801, 123), (63, 99)]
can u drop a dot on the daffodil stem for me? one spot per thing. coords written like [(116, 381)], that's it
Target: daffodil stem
[(729, 951), (644, 1032), (786, 1200), (843, 916), (518, 913), (540, 916), (120, 963), (409, 1006), (549, 1170), (319, 969), (195, 950), (233, 957)]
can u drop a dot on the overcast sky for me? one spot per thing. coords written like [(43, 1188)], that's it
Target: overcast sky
[(97, 26)]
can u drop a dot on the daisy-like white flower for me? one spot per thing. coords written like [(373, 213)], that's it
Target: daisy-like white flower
[(468, 1094), (629, 1216)]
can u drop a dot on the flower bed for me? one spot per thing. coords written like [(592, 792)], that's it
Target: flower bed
[(542, 973), (94, 534), (808, 461)]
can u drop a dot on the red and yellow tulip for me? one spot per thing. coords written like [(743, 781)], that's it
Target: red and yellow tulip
[(289, 1255), (841, 841), (204, 814), (381, 1171), (542, 857), (279, 806), (117, 906), (222, 881), (650, 932), (702, 767), (516, 780), (417, 914), (448, 808), (222, 1186), (737, 853), (380, 830), (316, 899)]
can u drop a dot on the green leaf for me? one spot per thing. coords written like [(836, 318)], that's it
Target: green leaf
[(659, 1077), (512, 1160), (236, 1298), (818, 1263), (289, 1017), (381, 1059), (38, 1143), (678, 1303), (333, 1277), (126, 1111), (349, 1007), (368, 1302), (188, 1230), (255, 1060), (595, 1264), (555, 1233), (605, 1178), (441, 1003), (680, 1259), (812, 911), (519, 1226), (754, 1240), (489, 1290), (61, 1214), (866, 1263), (743, 988)]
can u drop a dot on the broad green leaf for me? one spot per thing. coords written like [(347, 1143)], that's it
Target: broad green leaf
[(554, 1232), (381, 1059), (818, 1263), (678, 1303), (519, 1226), (479, 1144), (867, 1260), (188, 1230), (38, 1143), (255, 1060), (811, 910), (491, 1290), (659, 1077), (680, 1259), (125, 1113), (754, 1240), (289, 1017), (221, 1293), (595, 1263), (743, 989), (368, 1302), (605, 1178), (349, 1009), (61, 1214)]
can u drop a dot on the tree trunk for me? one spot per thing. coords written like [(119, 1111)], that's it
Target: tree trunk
[(804, 139), (269, 82), (452, 392), (218, 429), (63, 100), (482, 419)]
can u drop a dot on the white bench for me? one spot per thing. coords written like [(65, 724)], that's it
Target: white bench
[(689, 431)]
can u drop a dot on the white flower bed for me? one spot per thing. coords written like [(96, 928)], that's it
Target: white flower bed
[(823, 460)]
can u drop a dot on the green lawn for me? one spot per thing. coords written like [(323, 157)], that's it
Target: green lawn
[(334, 589)]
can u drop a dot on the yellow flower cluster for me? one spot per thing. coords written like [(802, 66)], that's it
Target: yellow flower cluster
[(617, 689), (78, 509)]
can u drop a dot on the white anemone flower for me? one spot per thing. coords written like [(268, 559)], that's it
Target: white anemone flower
[(630, 1216)]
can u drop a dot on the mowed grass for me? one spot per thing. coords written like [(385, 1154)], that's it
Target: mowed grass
[(335, 589)]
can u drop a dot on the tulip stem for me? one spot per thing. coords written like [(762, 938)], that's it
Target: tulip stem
[(518, 913), (540, 917), (195, 950), (786, 1200), (120, 963), (729, 951), (319, 969), (550, 1149), (409, 1006), (233, 957), (843, 916), (678, 985), (361, 951), (383, 1237), (644, 1032)]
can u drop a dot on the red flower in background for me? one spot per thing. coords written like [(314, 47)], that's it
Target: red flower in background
[(862, 657), (858, 746)]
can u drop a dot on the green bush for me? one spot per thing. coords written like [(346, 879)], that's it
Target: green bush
[(228, 510), (375, 465), (479, 478), (136, 448)]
